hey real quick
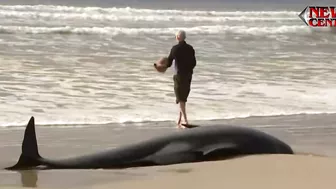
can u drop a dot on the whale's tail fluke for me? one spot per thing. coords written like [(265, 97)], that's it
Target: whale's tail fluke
[(29, 155)]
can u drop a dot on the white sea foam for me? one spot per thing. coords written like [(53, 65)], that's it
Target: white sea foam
[(212, 29), (77, 122), (128, 10), (135, 17)]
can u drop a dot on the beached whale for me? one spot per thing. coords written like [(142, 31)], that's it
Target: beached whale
[(205, 143)]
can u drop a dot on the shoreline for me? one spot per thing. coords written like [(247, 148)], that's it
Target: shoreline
[(255, 119)]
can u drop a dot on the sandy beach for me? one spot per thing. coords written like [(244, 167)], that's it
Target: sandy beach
[(312, 138), (262, 172)]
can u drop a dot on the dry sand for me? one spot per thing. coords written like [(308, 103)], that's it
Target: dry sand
[(260, 172)]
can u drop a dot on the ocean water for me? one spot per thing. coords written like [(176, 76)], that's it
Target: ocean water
[(84, 63)]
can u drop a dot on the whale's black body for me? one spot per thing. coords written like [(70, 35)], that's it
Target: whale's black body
[(190, 145)]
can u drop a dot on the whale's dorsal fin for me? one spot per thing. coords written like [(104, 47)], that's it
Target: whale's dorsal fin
[(30, 154)]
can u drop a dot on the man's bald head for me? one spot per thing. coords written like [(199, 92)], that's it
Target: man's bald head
[(181, 35)]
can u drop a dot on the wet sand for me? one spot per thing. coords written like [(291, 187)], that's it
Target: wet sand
[(307, 134)]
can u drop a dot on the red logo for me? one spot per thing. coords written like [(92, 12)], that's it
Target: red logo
[(316, 16)]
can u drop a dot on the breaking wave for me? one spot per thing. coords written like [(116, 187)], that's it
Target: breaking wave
[(128, 10), (51, 13), (216, 29), (122, 17)]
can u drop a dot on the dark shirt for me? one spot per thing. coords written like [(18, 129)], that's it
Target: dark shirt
[(184, 55)]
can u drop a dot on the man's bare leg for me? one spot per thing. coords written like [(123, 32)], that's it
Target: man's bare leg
[(179, 119), (183, 111)]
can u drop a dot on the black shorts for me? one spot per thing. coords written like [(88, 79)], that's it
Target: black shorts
[(182, 87)]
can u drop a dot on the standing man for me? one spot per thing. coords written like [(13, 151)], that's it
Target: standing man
[(184, 59)]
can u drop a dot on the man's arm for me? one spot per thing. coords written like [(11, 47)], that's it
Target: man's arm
[(171, 57)]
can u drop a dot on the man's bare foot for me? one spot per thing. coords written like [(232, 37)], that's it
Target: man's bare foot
[(180, 126)]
